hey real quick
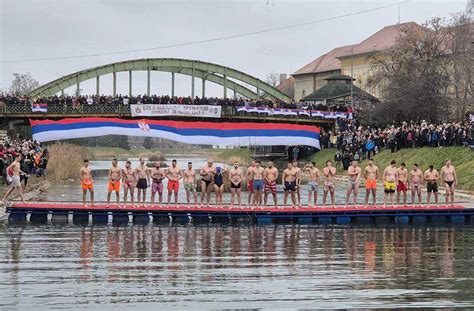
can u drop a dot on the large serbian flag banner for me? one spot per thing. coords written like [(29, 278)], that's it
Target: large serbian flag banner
[(201, 133)]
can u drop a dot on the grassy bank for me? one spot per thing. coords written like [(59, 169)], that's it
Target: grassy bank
[(120, 153), (462, 158), (65, 161)]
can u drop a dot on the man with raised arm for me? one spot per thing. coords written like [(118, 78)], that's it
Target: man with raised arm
[(354, 172), (143, 181), (314, 175), (86, 182), (416, 180), (329, 172), (174, 175), (157, 176), (450, 180), (207, 181), (129, 181), (236, 177), (270, 175), (371, 173), (189, 176), (402, 184), (288, 180), (390, 178), (115, 175)]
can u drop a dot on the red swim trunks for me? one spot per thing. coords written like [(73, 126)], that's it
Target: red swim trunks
[(250, 185), (402, 186), (271, 187), (173, 185)]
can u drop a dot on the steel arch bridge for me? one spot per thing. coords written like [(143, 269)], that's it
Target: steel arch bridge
[(196, 69)]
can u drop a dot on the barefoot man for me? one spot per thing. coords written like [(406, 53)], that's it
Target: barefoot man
[(87, 182), (402, 184), (313, 182), (288, 180), (270, 175), (174, 175), (371, 173), (143, 180), (354, 172), (129, 181), (431, 177), (115, 175), (390, 177), (236, 178), (189, 176), (450, 180), (16, 184), (257, 177), (329, 172), (157, 176), (416, 178), (298, 182), (250, 182), (207, 181)]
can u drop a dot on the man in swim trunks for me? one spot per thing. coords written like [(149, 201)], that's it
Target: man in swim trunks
[(431, 177), (416, 179), (174, 175), (87, 183), (298, 182), (314, 175), (270, 175), (207, 181), (354, 172), (236, 178), (115, 175), (329, 172), (250, 182), (189, 176), (16, 184), (390, 178), (450, 180), (402, 185), (288, 180), (157, 176), (257, 177), (129, 181), (371, 173), (143, 180)]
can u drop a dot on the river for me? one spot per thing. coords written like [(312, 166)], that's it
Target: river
[(198, 267)]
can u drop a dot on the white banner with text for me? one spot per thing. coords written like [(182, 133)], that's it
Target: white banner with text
[(151, 110)]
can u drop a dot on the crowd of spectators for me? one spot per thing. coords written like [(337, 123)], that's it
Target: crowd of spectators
[(34, 158), (165, 99), (355, 142)]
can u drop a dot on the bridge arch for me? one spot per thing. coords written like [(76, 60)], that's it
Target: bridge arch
[(196, 69)]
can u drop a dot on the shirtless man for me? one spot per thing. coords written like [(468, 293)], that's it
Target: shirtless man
[(450, 180), (390, 178), (329, 172), (270, 175), (402, 184), (257, 177), (314, 175), (250, 181), (86, 182), (207, 181), (174, 175), (157, 176), (189, 176), (431, 177), (236, 177), (143, 180), (371, 173), (288, 180), (415, 178), (115, 175), (298, 182), (354, 172), (16, 184), (129, 181)]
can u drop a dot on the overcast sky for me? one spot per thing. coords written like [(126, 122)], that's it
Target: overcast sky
[(43, 28)]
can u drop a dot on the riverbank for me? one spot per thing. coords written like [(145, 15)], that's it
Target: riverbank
[(462, 158), (107, 153)]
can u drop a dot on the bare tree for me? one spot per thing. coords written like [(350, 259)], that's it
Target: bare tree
[(22, 84), (272, 78)]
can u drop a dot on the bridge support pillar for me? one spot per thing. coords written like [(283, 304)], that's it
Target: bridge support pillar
[(192, 82), (203, 87), (114, 83), (225, 82), (172, 84), (130, 83), (148, 81), (97, 86)]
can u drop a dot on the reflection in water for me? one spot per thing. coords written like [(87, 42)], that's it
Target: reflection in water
[(236, 266)]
